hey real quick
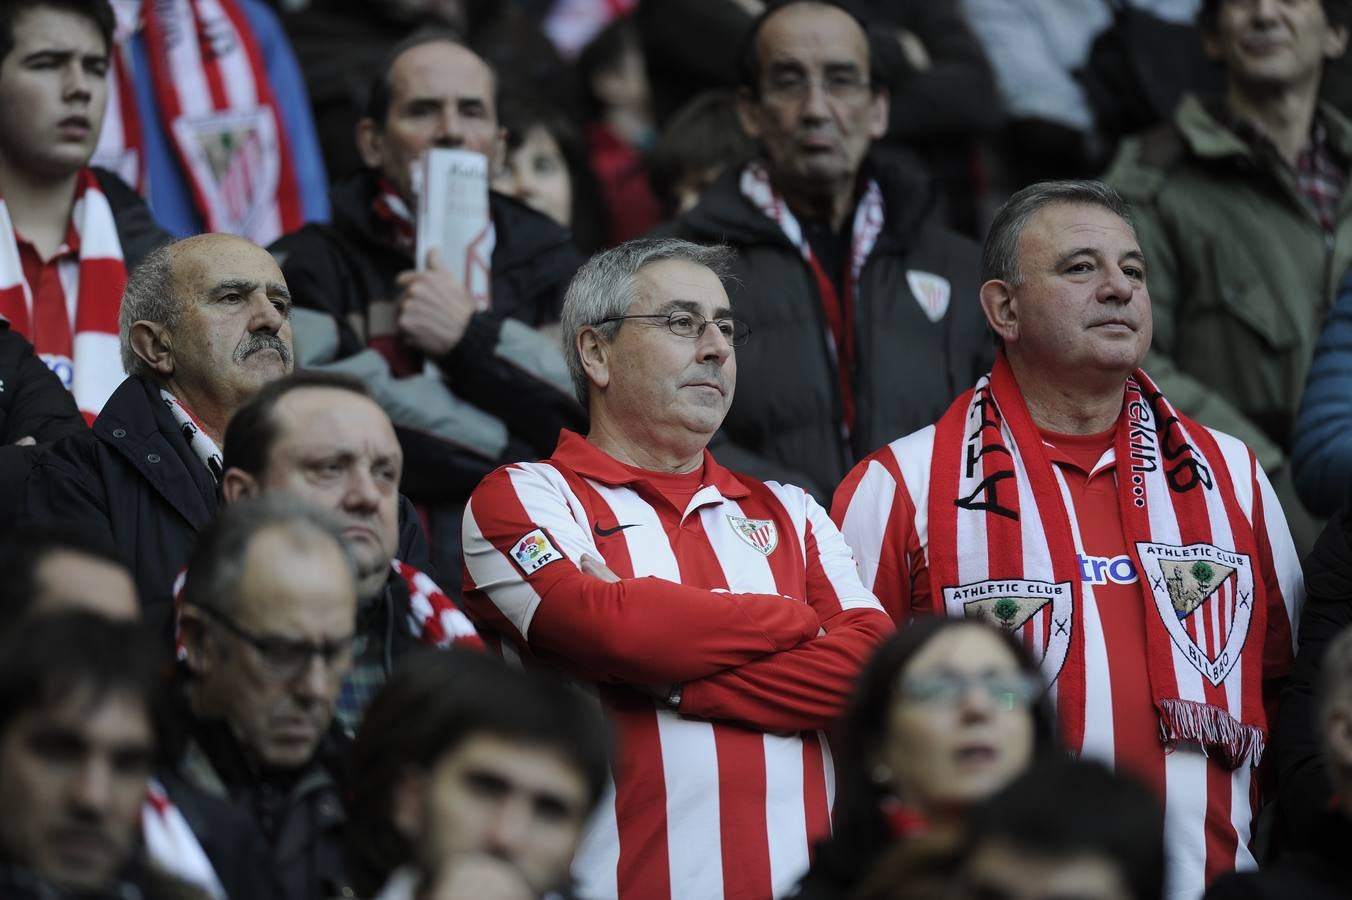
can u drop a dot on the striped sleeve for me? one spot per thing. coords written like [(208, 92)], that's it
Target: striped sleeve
[(804, 688), (1284, 579), (876, 515), (523, 547)]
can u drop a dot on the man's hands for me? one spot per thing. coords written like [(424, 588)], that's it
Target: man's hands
[(480, 876), (434, 310), (597, 569)]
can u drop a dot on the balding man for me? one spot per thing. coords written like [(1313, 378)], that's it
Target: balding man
[(503, 387), (204, 324)]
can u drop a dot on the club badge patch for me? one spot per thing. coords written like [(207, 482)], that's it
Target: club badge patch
[(761, 534), (534, 551), (1037, 613), (931, 291), (1205, 596)]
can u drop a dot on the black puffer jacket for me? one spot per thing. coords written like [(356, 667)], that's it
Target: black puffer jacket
[(785, 419)]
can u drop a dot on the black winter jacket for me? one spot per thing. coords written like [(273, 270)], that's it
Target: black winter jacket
[(33, 403), (134, 479), (785, 421)]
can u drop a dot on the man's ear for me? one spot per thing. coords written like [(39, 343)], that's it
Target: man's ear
[(497, 159), (192, 634), (595, 353), (747, 110), (153, 345), (1001, 309), (1338, 736), (370, 142), (409, 802), (236, 484), (1335, 41), (879, 107)]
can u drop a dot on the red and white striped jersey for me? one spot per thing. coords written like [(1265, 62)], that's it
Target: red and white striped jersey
[(882, 508), (748, 597)]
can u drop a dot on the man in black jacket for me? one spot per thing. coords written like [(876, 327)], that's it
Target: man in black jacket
[(204, 324), (864, 308), (504, 383), (267, 626)]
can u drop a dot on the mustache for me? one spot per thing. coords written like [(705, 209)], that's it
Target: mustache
[(254, 342)]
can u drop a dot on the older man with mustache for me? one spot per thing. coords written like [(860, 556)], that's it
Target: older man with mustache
[(205, 323), (719, 617)]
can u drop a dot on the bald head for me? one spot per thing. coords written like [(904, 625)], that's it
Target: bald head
[(435, 93)]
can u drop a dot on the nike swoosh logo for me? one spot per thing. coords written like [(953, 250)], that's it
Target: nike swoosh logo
[(607, 532)]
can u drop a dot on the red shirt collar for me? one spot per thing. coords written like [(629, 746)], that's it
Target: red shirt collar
[(589, 461)]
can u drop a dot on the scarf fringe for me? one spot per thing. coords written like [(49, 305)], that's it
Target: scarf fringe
[(1218, 733)]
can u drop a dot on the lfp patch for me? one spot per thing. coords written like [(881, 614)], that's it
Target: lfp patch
[(534, 551)]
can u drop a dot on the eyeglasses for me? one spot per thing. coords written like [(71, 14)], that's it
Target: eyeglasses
[(683, 323), (284, 658), (1007, 690), (788, 87)]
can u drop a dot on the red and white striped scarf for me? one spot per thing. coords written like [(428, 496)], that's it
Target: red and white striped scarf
[(433, 617), (218, 110), (839, 310), (1003, 544), (89, 359)]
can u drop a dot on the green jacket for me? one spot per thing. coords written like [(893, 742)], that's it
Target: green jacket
[(1240, 275)]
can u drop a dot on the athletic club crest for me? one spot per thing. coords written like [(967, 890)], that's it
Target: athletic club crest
[(761, 534), (233, 157), (1205, 596), (931, 291), (1037, 613)]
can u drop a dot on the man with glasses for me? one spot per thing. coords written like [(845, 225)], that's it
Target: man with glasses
[(869, 301), (719, 618), (267, 626)]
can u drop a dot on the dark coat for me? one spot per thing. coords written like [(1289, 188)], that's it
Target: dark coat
[(300, 819), (134, 479), (1304, 788), (785, 422), (33, 403)]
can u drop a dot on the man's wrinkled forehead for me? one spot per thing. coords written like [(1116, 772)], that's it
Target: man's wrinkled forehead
[(413, 74)]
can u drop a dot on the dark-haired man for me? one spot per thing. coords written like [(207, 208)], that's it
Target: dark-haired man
[(502, 381), (320, 436), (864, 300), (483, 778), (76, 749), (1243, 214), (1046, 836), (46, 569), (204, 323), (68, 233)]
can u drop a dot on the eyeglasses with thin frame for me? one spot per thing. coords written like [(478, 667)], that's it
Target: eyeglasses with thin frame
[(686, 324), (286, 659), (1007, 690)]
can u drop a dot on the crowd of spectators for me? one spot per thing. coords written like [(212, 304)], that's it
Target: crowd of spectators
[(1020, 566)]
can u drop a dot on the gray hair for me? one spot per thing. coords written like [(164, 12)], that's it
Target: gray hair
[(149, 297), (1000, 253), (216, 569), (607, 286)]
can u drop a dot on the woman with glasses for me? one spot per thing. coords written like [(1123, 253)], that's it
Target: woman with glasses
[(946, 713)]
